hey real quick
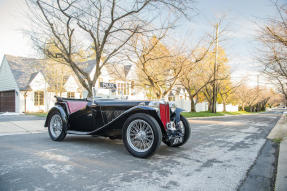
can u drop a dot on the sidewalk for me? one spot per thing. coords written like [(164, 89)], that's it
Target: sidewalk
[(280, 129), (280, 132), (19, 126)]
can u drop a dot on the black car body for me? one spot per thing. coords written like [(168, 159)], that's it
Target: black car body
[(141, 124)]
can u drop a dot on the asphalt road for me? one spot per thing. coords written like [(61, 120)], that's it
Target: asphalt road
[(219, 156)]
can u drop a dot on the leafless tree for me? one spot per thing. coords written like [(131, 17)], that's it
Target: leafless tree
[(195, 76), (226, 91), (156, 66), (103, 28), (273, 56)]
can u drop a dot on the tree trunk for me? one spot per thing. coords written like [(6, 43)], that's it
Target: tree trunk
[(90, 90), (209, 107), (243, 105), (192, 104), (224, 106)]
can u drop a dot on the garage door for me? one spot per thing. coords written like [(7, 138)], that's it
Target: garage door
[(7, 101)]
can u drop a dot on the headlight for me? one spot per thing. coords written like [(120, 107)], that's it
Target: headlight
[(155, 104), (172, 106)]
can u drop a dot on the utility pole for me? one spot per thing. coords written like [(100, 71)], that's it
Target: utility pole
[(214, 93)]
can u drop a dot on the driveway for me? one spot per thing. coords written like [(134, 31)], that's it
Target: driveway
[(218, 156)]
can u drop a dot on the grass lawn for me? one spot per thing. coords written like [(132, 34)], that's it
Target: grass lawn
[(39, 114), (209, 114)]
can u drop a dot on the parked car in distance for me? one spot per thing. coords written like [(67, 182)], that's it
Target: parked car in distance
[(142, 125)]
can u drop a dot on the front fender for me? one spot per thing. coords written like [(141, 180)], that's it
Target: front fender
[(136, 109), (62, 112), (123, 117), (177, 114)]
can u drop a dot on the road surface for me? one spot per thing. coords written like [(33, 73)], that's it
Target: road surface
[(218, 156)]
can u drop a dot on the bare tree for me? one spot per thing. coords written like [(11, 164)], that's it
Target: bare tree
[(273, 37), (103, 27), (226, 90), (195, 76), (246, 96), (157, 68), (222, 73)]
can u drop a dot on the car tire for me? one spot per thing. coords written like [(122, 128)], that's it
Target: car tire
[(56, 126), (144, 142), (186, 133)]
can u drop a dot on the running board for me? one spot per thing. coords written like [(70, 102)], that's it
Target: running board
[(78, 132)]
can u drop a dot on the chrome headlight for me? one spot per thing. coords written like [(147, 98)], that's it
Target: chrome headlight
[(172, 106), (155, 104)]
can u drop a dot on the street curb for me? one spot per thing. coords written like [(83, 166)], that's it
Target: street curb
[(280, 129), (280, 132), (22, 133), (190, 118), (281, 177)]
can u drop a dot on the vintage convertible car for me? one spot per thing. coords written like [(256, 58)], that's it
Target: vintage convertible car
[(141, 124)]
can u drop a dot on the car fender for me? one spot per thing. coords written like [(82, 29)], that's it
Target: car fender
[(148, 110), (177, 114), (123, 117), (62, 112)]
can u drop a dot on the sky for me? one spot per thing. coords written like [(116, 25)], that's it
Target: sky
[(240, 18)]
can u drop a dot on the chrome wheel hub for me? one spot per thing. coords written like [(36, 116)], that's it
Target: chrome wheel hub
[(56, 125), (140, 135)]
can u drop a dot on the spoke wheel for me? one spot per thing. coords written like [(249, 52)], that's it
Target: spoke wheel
[(56, 125), (184, 128), (140, 135)]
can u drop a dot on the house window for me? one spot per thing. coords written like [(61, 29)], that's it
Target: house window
[(132, 85), (70, 94), (38, 98), (123, 89)]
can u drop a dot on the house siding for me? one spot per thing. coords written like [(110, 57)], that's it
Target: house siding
[(49, 101), (8, 82), (37, 84)]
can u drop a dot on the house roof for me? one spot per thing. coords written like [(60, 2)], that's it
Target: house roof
[(87, 66), (26, 69), (127, 68), (23, 69)]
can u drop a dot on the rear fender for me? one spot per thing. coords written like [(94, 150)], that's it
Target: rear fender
[(62, 112)]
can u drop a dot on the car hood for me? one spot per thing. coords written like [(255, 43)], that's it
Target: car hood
[(114, 102)]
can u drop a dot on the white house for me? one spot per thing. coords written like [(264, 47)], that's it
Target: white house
[(124, 89), (24, 88)]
